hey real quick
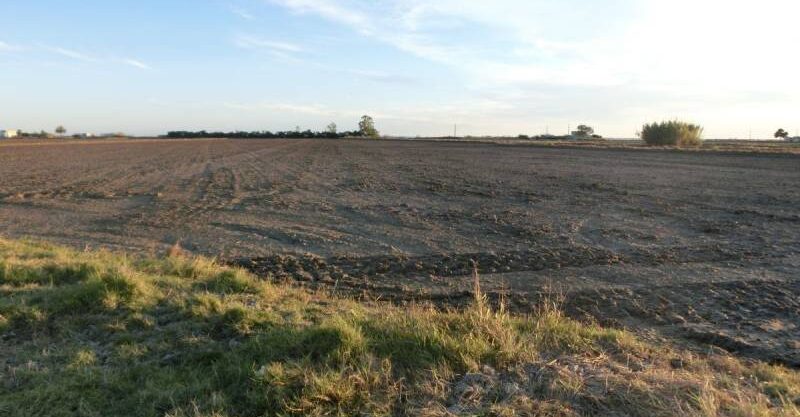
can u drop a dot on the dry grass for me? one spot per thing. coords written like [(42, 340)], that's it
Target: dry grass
[(726, 146), (672, 133), (104, 334)]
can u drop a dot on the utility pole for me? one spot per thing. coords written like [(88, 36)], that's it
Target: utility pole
[(455, 130)]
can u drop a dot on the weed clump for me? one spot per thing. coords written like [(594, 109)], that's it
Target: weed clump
[(672, 133), (234, 281)]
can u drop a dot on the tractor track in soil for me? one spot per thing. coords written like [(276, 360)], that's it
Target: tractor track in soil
[(697, 247)]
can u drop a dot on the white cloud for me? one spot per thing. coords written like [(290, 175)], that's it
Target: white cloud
[(244, 14), (308, 109), (394, 23), (95, 59), (383, 77), (7, 47), (69, 53), (331, 10), (279, 50), (136, 63), (666, 55), (487, 108), (547, 43), (254, 42), (424, 29)]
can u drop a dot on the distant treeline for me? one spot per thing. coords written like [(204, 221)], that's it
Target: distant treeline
[(293, 134)]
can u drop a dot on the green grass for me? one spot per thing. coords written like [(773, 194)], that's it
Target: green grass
[(105, 334)]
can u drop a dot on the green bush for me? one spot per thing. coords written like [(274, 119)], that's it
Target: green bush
[(672, 133)]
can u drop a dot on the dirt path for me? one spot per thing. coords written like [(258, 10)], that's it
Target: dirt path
[(700, 245)]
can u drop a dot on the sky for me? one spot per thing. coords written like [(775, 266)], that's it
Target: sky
[(502, 67)]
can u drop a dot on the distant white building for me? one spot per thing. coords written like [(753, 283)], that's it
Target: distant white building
[(8, 134), (795, 139)]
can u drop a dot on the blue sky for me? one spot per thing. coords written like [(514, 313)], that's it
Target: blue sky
[(418, 67)]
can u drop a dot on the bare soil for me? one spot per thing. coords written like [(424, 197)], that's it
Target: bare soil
[(702, 248)]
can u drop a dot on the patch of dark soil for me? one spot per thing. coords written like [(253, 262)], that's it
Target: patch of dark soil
[(401, 266), (753, 318), (452, 265)]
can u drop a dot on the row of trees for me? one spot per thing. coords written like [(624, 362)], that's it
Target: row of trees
[(366, 128), (60, 131), (581, 132), (261, 134)]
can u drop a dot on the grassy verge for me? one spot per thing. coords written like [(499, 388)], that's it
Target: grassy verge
[(104, 334)]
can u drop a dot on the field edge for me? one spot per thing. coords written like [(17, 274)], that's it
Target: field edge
[(103, 333)]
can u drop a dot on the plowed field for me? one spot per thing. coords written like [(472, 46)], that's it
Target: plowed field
[(699, 247)]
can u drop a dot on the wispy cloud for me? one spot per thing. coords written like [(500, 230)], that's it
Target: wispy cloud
[(69, 53), (254, 42), (7, 47), (310, 109), (402, 24), (383, 77), (525, 48), (523, 42), (430, 113), (96, 59), (136, 63), (280, 50), (244, 14), (330, 10)]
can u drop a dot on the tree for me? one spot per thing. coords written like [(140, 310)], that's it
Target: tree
[(332, 128), (584, 130), (781, 134), (61, 131), (367, 127)]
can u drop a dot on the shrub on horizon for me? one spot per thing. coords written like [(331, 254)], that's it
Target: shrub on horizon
[(672, 133)]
